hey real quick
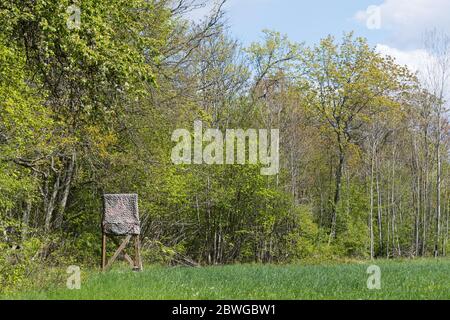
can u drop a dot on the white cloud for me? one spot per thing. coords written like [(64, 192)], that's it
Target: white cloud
[(418, 60), (407, 20), (415, 59)]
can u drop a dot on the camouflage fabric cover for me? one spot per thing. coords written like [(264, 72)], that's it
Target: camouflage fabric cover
[(121, 214)]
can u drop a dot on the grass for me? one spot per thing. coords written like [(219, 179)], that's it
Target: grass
[(408, 279)]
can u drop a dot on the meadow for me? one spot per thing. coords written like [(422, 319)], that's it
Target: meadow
[(400, 279)]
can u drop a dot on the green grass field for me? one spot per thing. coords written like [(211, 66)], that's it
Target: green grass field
[(419, 279)]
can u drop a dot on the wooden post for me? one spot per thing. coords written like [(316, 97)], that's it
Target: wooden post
[(136, 263), (118, 251), (103, 251), (137, 259)]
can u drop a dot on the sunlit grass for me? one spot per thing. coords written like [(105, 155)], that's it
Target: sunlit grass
[(419, 279)]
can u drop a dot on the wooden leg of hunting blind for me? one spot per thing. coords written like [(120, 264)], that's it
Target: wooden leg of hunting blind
[(137, 259), (103, 251), (118, 251), (136, 263), (129, 260), (126, 256)]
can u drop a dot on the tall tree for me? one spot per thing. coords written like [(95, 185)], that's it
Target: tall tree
[(437, 73), (347, 80)]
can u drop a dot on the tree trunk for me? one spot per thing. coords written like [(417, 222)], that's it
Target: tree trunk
[(67, 183), (438, 187), (26, 219), (371, 206), (379, 206), (337, 192), (51, 203)]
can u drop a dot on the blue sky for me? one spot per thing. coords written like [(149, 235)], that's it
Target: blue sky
[(398, 32), (302, 21)]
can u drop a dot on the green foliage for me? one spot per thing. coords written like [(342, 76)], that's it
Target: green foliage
[(353, 232), (303, 239), (24, 126), (16, 264)]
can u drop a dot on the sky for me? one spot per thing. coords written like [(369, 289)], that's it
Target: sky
[(394, 27)]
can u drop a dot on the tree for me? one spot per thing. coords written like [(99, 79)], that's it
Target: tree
[(89, 76), (436, 75), (346, 81)]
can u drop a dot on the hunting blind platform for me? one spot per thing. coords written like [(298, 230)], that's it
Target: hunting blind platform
[(121, 219)]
